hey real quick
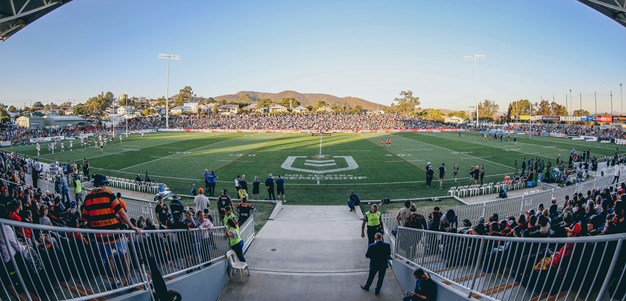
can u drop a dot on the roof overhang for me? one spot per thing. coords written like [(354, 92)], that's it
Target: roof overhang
[(614, 9), (16, 14)]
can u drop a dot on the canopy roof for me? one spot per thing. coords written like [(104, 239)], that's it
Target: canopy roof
[(614, 9), (16, 14)]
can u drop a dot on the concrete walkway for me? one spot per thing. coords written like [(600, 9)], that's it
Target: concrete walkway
[(310, 253)]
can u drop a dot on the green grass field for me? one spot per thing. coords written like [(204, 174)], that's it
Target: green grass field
[(348, 161)]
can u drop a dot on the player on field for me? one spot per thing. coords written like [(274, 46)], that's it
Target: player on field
[(442, 174), (388, 142), (38, 147), (382, 142), (455, 171)]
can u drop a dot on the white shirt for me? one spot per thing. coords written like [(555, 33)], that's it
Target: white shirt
[(616, 172), (202, 202), (8, 250)]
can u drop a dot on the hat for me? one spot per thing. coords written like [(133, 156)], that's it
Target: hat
[(428, 163), (481, 219), (73, 204), (200, 190), (553, 200), (574, 229), (175, 197), (99, 179)]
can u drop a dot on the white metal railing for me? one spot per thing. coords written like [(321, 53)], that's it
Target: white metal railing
[(53, 263), (510, 206), (510, 268)]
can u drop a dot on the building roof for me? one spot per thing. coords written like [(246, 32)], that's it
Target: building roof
[(614, 9), (62, 118), (16, 14), (301, 108)]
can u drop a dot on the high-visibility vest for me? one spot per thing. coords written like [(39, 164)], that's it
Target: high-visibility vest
[(233, 241), (373, 218)]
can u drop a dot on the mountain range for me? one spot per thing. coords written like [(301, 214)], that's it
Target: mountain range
[(305, 99)]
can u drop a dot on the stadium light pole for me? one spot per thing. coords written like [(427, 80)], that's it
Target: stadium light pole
[(595, 102), (611, 103), (169, 58), (571, 101), (621, 100), (475, 58)]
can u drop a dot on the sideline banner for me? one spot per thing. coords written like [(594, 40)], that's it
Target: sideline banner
[(47, 139), (5, 143)]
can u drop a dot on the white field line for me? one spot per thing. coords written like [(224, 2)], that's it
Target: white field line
[(305, 184), (104, 154), (172, 155), (451, 151)]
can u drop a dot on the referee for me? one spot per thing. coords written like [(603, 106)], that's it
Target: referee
[(374, 224)]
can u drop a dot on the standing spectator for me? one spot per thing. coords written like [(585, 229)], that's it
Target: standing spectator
[(616, 175), (280, 188), (429, 175), (223, 201), (176, 205), (482, 173), (256, 186), (206, 237), (101, 211), (425, 288), (243, 184), (374, 224), (234, 239), (455, 169), (435, 219), (237, 186), (245, 210), (36, 171), (78, 190), (442, 174), (210, 179), (201, 201), (86, 169), (379, 254), (403, 212), (269, 184)]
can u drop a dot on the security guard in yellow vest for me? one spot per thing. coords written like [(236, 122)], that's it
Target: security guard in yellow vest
[(374, 224)]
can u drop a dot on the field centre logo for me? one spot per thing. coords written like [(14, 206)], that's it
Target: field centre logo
[(319, 164)]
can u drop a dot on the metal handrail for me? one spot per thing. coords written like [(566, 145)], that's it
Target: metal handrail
[(513, 268), (72, 263)]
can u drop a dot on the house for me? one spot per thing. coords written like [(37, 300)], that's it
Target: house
[(228, 109), (30, 122), (125, 110), (454, 119), (300, 109), (177, 110), (190, 107), (58, 121), (278, 109)]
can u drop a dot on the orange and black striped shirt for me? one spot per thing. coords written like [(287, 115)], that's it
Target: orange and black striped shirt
[(100, 212)]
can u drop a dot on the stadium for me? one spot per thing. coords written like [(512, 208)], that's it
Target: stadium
[(277, 196)]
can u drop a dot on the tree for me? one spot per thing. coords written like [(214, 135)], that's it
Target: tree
[(80, 109), (356, 110), (263, 104), (319, 104), (184, 95), (557, 109), (543, 108), (149, 112), (245, 99), (432, 115), (12, 109), (406, 104), (290, 103), (38, 105), (488, 110), (98, 104), (581, 113), (517, 108), (460, 114)]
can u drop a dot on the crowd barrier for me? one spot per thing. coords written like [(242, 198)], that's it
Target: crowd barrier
[(58, 263), (510, 268), (513, 206)]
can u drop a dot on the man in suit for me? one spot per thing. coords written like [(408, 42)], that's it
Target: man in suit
[(379, 253)]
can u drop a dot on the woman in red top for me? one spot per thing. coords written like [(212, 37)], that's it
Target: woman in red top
[(15, 208)]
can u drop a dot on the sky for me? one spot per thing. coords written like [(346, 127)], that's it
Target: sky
[(367, 49)]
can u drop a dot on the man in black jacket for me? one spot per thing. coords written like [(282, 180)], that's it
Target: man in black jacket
[(379, 253)]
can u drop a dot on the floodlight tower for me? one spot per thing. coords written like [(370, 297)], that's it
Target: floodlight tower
[(475, 58), (169, 58)]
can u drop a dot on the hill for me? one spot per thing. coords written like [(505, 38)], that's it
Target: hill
[(306, 99)]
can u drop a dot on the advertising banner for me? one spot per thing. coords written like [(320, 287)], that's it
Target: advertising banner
[(524, 117), (571, 118), (604, 118), (550, 118)]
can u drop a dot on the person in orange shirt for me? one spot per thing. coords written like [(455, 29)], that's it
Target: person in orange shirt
[(119, 199)]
